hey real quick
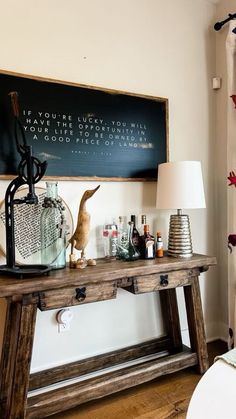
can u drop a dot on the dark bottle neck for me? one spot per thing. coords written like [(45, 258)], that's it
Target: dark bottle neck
[(132, 219)]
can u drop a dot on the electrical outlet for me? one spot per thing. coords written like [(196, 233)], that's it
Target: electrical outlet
[(63, 327)]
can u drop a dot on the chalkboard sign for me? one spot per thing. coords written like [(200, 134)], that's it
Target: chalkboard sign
[(84, 132)]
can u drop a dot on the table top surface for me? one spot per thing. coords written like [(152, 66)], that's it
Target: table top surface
[(103, 272)]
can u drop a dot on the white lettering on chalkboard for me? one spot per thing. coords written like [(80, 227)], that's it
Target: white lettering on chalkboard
[(86, 131)]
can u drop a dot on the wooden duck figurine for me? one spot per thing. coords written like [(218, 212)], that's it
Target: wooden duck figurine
[(80, 238)]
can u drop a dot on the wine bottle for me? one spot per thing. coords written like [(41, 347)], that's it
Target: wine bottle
[(135, 234), (147, 248)]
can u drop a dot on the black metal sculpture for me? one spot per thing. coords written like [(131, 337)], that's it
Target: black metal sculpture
[(30, 171)]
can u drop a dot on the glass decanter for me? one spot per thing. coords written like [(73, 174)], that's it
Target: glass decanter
[(127, 251)]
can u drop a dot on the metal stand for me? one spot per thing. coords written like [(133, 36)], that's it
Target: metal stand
[(30, 171)]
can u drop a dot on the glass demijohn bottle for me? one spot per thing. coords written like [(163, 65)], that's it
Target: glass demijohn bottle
[(53, 229), (127, 251), (122, 232)]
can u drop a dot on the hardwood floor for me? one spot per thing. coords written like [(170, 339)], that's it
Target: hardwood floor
[(164, 398)]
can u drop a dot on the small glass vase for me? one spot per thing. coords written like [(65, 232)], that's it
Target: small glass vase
[(53, 231), (126, 250)]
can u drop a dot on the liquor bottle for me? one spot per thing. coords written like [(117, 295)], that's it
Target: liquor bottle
[(135, 234), (141, 226), (114, 240), (141, 233), (159, 246), (106, 241), (53, 229), (147, 248), (110, 240)]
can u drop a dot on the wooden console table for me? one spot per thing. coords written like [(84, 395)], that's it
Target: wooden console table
[(66, 288)]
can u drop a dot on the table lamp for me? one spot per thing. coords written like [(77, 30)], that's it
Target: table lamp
[(180, 186)]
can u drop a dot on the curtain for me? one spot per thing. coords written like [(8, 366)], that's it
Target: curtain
[(231, 164)]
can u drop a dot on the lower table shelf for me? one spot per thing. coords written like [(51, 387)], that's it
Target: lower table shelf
[(68, 396)]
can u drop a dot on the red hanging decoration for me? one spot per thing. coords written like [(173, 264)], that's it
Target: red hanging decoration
[(232, 179), (231, 241), (234, 99), (232, 237)]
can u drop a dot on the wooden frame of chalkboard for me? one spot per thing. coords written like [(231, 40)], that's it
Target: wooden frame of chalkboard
[(84, 132)]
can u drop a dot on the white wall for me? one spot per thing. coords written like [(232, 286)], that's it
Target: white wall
[(145, 46)]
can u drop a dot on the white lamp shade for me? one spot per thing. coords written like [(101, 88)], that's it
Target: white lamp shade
[(180, 185)]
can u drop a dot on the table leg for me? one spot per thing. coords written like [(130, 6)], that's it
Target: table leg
[(196, 324), (170, 315), (16, 358)]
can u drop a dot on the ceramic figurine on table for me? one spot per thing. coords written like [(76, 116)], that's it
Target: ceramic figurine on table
[(80, 238)]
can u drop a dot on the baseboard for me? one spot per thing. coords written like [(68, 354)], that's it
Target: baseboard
[(214, 331)]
